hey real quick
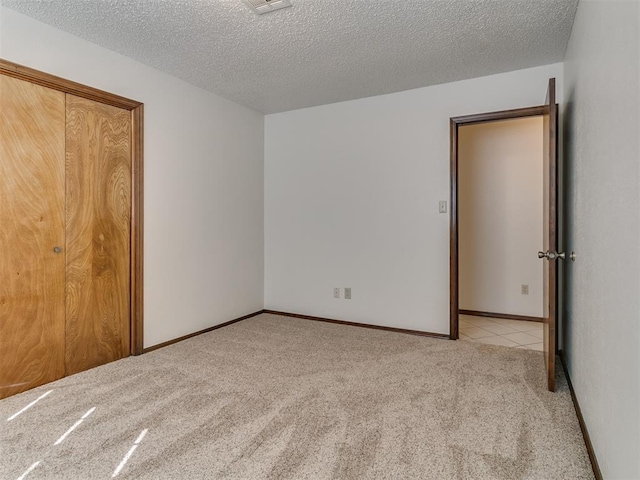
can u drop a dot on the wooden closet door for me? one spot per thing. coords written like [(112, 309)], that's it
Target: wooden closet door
[(32, 269), (98, 187)]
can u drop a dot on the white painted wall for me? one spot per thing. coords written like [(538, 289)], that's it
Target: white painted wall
[(203, 190), (351, 200), (500, 216), (602, 157)]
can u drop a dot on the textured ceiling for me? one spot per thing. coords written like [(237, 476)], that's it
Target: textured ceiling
[(318, 51)]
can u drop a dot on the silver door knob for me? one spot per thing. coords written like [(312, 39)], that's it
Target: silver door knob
[(57, 249), (551, 255)]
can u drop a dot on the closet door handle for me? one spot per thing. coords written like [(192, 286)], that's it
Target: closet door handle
[(57, 249)]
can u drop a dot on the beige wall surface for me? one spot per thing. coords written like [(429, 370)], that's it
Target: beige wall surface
[(500, 216)]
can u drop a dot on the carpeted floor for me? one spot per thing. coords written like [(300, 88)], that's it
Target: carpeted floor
[(283, 398)]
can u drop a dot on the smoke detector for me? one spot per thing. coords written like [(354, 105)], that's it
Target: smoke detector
[(266, 6)]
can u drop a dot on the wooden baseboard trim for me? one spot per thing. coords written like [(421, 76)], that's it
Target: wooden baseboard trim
[(296, 315), (356, 324), (185, 337), (508, 316), (583, 427)]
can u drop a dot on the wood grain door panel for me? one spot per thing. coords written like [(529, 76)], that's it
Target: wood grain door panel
[(98, 206), (32, 276), (549, 237)]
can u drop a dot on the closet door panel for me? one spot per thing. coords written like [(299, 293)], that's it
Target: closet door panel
[(98, 206), (32, 273)]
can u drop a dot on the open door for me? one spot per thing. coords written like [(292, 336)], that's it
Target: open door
[(550, 253)]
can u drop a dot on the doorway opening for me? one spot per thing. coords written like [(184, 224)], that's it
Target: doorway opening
[(500, 227), (549, 214), (484, 245)]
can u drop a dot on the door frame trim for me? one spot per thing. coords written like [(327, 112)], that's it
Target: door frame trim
[(454, 124), (37, 77)]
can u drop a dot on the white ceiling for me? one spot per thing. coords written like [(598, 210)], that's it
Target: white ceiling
[(318, 51)]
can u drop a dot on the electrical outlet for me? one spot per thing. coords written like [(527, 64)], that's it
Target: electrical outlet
[(524, 289), (347, 293), (442, 206), (336, 293)]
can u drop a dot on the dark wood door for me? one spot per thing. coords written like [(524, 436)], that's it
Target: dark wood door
[(32, 256), (550, 238), (98, 217)]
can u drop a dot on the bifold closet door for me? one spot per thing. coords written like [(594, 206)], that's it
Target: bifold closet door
[(32, 235), (98, 217)]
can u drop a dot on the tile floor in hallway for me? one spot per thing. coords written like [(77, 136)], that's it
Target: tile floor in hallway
[(499, 331)]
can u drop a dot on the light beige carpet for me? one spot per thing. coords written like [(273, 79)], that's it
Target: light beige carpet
[(283, 398)]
